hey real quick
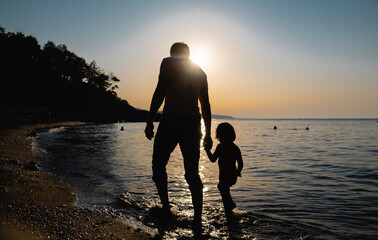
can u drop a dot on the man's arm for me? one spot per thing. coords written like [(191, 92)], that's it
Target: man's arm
[(156, 102), (213, 156), (206, 114)]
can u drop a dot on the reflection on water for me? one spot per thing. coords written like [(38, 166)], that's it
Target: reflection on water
[(296, 184)]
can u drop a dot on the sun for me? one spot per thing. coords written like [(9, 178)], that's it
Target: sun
[(200, 57)]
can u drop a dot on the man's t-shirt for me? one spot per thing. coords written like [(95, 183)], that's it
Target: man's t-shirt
[(183, 82)]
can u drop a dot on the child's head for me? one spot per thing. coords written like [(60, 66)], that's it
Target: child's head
[(225, 132)]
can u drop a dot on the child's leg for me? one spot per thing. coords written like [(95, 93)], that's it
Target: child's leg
[(228, 203)]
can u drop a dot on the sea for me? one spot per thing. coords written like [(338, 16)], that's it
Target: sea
[(307, 179)]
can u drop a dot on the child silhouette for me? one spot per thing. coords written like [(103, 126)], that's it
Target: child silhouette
[(228, 154)]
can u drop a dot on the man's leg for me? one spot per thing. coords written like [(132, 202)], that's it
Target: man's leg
[(165, 142), (190, 148), (195, 185)]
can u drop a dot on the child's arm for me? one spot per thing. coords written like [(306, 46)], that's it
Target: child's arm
[(240, 162), (213, 157)]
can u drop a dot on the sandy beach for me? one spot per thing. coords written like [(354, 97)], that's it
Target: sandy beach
[(36, 205)]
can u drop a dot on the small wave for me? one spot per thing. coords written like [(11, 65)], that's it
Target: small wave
[(132, 200), (51, 131), (360, 190), (324, 165), (322, 177), (371, 176), (372, 150), (291, 171), (38, 151), (55, 130)]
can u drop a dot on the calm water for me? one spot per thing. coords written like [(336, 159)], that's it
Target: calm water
[(320, 183)]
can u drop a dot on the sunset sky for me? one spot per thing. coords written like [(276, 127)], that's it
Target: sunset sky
[(263, 59)]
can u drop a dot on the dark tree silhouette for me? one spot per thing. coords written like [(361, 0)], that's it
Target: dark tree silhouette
[(54, 83)]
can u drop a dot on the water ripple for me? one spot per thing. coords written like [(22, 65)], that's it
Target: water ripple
[(317, 184)]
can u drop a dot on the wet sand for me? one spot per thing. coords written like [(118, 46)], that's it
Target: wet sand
[(36, 205)]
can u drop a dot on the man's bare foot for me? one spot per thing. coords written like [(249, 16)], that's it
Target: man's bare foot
[(197, 227)]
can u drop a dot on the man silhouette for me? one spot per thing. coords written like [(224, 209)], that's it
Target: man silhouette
[(181, 84)]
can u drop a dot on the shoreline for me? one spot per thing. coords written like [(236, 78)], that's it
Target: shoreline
[(37, 205)]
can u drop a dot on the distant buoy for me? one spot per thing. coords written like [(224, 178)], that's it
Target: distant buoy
[(122, 128), (275, 127)]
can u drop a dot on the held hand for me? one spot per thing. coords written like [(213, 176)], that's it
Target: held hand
[(208, 143), (149, 131)]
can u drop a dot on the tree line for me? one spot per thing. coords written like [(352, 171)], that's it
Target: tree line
[(52, 82)]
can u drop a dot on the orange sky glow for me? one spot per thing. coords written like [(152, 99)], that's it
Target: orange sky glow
[(295, 60)]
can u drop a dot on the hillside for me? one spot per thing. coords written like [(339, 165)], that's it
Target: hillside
[(50, 83)]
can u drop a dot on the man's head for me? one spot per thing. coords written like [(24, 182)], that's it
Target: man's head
[(180, 49)]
